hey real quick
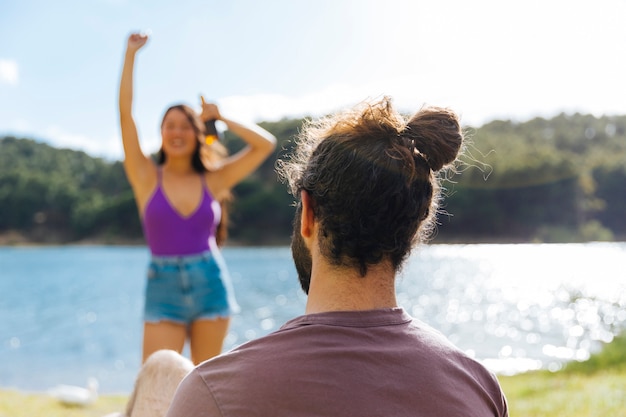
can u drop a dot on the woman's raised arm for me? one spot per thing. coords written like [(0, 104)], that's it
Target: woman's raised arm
[(261, 144), (135, 162)]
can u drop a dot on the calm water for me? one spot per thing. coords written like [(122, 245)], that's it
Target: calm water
[(68, 313)]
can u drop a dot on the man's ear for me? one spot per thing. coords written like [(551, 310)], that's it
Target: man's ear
[(307, 221)]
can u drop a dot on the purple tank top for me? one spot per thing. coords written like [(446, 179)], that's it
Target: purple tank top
[(168, 233)]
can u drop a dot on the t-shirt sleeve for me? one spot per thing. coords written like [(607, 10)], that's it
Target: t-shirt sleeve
[(193, 398)]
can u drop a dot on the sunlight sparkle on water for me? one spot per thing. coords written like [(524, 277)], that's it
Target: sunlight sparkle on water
[(553, 302)]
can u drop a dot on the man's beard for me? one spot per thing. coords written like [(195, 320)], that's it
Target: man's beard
[(301, 254)]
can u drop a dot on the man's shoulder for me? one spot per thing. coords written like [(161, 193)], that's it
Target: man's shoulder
[(253, 352), (249, 367)]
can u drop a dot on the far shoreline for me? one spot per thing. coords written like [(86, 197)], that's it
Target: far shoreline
[(14, 238)]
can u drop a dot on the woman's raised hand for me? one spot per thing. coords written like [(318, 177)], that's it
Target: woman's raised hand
[(210, 111), (136, 41)]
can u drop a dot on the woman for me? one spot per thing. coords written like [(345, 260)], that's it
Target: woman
[(188, 291)]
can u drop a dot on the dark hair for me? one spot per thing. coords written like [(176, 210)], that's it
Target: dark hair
[(371, 176), (203, 159)]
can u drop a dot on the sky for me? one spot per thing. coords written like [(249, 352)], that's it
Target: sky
[(60, 61)]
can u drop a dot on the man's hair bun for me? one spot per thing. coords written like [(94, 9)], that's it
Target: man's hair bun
[(436, 135)]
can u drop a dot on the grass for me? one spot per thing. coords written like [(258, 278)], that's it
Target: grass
[(577, 395), (18, 404), (596, 387)]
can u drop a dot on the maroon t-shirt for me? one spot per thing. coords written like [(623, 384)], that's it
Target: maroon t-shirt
[(355, 363)]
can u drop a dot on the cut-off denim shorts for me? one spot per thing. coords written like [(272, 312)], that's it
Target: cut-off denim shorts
[(183, 289)]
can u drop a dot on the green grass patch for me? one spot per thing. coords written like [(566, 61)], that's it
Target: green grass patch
[(595, 387), (612, 356), (566, 394), (18, 404)]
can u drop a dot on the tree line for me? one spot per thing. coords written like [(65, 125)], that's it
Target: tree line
[(544, 180)]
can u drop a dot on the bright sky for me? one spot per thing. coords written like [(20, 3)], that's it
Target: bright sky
[(264, 60)]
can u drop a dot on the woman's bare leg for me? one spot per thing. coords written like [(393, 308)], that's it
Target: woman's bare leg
[(207, 338), (163, 335)]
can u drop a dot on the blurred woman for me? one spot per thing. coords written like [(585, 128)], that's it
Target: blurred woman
[(188, 294)]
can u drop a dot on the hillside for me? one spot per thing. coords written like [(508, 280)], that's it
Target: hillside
[(551, 180)]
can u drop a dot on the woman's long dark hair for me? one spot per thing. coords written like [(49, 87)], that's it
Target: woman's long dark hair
[(202, 159)]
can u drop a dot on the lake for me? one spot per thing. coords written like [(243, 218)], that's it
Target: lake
[(68, 313)]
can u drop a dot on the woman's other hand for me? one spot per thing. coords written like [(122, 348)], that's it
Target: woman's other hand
[(210, 111)]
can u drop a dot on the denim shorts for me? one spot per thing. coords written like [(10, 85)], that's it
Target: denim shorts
[(183, 289)]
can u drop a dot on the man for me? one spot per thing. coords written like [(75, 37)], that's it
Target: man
[(367, 192)]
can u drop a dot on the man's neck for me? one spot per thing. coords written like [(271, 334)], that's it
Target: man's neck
[(344, 289)]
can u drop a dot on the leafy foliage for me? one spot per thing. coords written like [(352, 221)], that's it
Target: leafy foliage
[(544, 180), (611, 356), (561, 179), (62, 195)]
